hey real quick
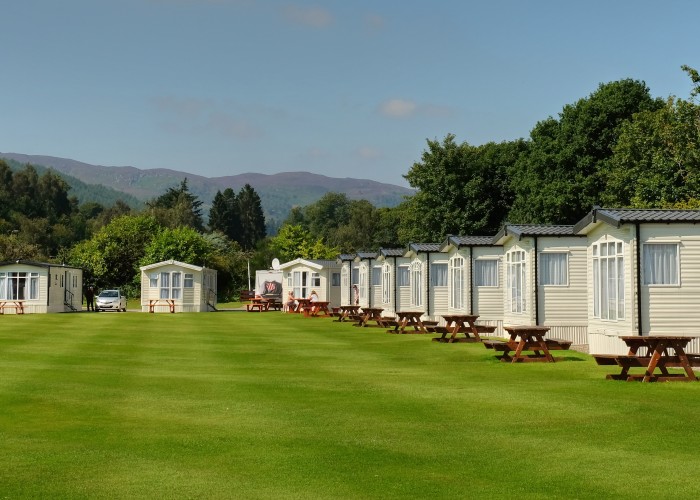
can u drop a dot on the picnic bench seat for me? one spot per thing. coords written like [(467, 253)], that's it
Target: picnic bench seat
[(464, 329), (497, 345), (561, 344), (258, 306), (485, 328), (634, 361), (552, 344)]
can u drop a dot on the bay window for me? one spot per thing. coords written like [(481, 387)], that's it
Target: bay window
[(608, 281), (457, 283), (517, 282)]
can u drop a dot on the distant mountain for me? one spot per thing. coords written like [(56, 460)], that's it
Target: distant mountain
[(278, 192)]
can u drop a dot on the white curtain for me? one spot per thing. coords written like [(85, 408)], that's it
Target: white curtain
[(438, 274), (661, 264), (3, 286), (486, 272), (553, 269), (457, 283), (404, 276), (33, 286)]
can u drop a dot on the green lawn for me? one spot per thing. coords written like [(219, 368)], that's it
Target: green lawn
[(238, 405)]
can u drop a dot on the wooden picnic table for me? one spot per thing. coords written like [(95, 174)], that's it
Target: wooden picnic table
[(314, 308), (152, 303), (348, 313), (460, 323), (17, 305), (653, 352), (527, 338), (258, 304), (406, 319), (371, 314), (301, 304)]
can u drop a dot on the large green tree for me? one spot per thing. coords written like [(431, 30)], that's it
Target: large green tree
[(252, 218), (562, 174), (183, 244), (657, 159), (461, 189), (178, 207), (112, 255), (224, 215), (294, 242)]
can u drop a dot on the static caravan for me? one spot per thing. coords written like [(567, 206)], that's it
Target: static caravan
[(172, 286), (301, 276), (428, 277), (643, 275), (545, 279), (389, 259), (475, 278), (369, 278), (28, 287), (347, 273)]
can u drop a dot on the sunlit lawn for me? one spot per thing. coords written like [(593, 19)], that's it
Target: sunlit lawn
[(238, 405)]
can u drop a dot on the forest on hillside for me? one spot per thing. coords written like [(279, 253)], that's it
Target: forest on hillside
[(617, 147)]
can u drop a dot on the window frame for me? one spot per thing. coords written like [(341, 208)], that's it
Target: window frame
[(602, 265), (541, 267), (455, 278), (517, 281), (480, 262), (677, 256), (403, 275)]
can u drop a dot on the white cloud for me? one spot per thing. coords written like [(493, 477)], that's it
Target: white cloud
[(308, 16), (398, 108)]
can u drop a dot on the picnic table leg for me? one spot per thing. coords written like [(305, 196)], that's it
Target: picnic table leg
[(454, 328), (475, 332), (518, 351), (685, 363), (545, 349), (653, 361)]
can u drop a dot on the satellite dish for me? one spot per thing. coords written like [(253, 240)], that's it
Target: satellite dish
[(275, 263)]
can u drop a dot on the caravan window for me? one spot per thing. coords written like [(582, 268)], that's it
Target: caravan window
[(660, 263), (457, 282), (19, 286), (189, 280), (486, 272), (554, 268), (404, 276)]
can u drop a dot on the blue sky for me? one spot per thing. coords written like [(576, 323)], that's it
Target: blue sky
[(346, 88)]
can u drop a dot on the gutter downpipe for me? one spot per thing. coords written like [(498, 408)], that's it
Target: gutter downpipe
[(427, 286), (371, 284), (396, 281), (537, 291), (638, 232), (471, 282)]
